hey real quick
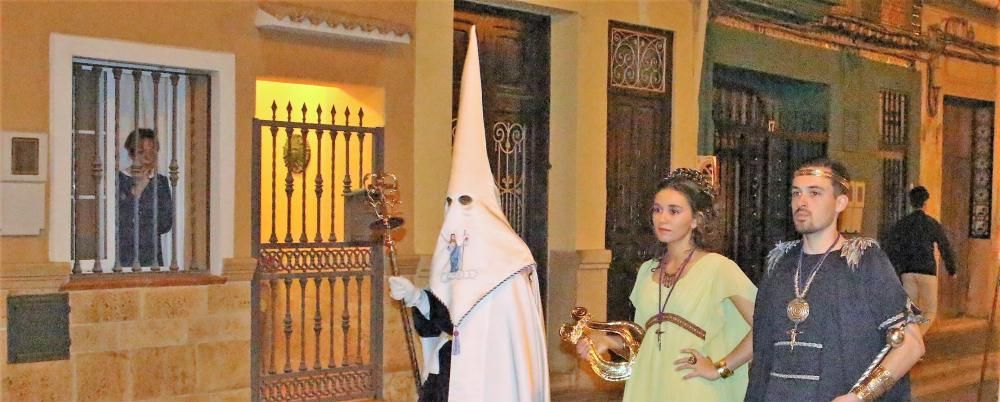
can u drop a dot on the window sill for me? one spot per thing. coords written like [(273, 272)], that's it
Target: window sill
[(143, 280)]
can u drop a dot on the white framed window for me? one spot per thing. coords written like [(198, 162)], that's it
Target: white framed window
[(64, 50)]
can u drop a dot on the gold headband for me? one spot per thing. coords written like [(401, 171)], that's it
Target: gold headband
[(828, 173)]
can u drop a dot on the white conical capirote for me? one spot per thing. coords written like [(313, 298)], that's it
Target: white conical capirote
[(477, 250), (470, 165)]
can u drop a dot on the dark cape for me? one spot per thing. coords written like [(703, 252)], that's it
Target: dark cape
[(435, 387), (855, 297)]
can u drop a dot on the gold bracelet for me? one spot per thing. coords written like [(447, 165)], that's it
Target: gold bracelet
[(724, 372), (874, 385)]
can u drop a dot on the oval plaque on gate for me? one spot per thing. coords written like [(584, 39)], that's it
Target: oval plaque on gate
[(296, 153)]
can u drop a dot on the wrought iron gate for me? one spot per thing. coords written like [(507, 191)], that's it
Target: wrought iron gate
[(317, 292)]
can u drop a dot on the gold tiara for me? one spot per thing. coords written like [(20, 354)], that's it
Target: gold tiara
[(821, 172), (699, 179)]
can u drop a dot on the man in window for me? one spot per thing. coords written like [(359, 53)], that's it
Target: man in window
[(154, 209)]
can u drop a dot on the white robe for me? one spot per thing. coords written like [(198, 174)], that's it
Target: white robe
[(502, 347)]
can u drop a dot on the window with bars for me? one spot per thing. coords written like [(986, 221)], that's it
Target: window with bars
[(892, 119), (893, 115), (140, 178)]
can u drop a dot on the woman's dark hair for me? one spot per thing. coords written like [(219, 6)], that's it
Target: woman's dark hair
[(700, 195)]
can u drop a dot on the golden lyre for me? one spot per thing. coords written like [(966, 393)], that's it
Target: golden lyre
[(630, 332)]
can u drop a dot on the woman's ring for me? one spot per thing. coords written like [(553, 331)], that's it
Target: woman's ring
[(692, 360)]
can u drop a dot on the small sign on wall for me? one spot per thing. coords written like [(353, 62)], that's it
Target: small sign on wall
[(852, 218), (24, 157), (23, 174)]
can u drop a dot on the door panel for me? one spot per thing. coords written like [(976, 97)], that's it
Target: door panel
[(514, 64), (638, 151)]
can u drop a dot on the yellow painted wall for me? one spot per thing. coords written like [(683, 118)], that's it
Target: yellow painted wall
[(415, 85), (380, 76), (578, 114), (354, 98), (577, 138), (421, 107), (216, 26), (967, 80)]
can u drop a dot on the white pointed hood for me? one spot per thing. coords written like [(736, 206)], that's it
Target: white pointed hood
[(477, 250)]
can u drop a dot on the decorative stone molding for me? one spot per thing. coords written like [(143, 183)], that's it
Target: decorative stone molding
[(44, 275), (835, 31), (985, 10), (955, 36), (319, 22), (857, 28), (239, 269), (597, 259), (143, 280)]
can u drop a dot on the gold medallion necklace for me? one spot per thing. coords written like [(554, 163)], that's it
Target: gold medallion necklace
[(798, 307)]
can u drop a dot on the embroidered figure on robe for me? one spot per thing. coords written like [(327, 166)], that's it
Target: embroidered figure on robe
[(455, 252)]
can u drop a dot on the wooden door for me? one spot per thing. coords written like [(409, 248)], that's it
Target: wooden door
[(962, 117), (638, 151), (514, 64)]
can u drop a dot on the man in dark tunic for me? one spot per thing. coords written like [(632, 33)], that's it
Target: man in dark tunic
[(827, 307)]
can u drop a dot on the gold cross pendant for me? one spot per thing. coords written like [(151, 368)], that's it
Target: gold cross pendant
[(793, 335)]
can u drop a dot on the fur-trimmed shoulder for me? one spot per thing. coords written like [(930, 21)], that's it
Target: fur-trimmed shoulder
[(854, 248), (779, 251)]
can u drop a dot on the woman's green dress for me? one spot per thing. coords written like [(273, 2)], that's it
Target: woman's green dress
[(702, 297)]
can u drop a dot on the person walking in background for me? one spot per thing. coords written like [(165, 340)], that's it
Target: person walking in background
[(910, 246)]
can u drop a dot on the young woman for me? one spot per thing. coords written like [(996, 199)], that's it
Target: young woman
[(696, 306)]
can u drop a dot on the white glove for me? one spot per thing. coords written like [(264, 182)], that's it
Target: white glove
[(401, 288)]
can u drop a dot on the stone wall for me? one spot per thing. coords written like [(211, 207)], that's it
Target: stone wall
[(189, 343)]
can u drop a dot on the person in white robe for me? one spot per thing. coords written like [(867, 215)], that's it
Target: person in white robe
[(481, 322)]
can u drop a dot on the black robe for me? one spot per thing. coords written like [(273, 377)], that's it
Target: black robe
[(435, 388)]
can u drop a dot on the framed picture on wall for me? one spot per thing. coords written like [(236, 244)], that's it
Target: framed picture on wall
[(24, 157)]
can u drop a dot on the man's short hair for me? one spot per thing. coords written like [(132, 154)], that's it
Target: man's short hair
[(143, 133), (919, 196), (836, 167)]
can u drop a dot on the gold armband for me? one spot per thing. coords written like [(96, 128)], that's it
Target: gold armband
[(878, 382)]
